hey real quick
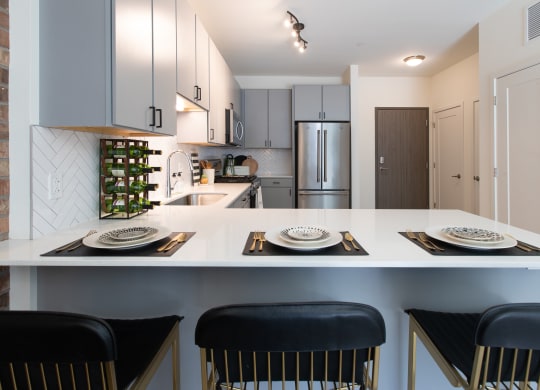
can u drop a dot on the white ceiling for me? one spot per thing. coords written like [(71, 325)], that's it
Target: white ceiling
[(374, 34)]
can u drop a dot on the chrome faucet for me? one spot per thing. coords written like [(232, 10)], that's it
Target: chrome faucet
[(191, 168)]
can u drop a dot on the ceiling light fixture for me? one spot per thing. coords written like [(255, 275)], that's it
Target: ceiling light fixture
[(414, 60), (293, 23)]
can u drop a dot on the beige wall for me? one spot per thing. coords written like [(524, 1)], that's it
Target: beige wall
[(502, 50), (366, 94), (458, 85)]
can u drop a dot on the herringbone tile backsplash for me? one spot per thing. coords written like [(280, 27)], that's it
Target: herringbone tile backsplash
[(74, 156)]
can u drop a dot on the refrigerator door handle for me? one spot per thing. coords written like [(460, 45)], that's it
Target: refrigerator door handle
[(325, 145), (318, 156)]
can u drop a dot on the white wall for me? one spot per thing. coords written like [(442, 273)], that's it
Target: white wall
[(458, 85), (502, 50)]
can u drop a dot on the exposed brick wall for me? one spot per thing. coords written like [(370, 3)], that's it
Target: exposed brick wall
[(4, 145)]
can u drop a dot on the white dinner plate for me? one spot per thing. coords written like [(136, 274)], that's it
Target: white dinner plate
[(130, 235), (93, 241), (304, 234), (437, 233), (275, 238), (473, 235)]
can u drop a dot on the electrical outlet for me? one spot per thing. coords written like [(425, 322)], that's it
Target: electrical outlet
[(55, 185)]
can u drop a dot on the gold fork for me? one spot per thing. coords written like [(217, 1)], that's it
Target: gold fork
[(75, 244), (412, 236), (424, 238), (262, 239), (256, 236)]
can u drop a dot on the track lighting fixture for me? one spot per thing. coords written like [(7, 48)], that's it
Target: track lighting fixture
[(296, 28)]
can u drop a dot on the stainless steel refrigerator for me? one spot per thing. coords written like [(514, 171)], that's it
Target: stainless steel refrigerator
[(323, 165)]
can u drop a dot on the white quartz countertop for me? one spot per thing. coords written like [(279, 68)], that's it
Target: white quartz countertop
[(221, 234)]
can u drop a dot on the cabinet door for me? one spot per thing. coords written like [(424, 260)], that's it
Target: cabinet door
[(218, 96), (256, 118), (202, 50), (277, 197), (279, 118), (336, 102), (165, 65), (185, 41), (307, 103), (132, 68)]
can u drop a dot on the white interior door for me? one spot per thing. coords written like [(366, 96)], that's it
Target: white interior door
[(517, 145), (476, 160), (449, 164)]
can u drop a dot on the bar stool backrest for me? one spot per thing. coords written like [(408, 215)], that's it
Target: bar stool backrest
[(305, 342), (508, 346), (55, 350)]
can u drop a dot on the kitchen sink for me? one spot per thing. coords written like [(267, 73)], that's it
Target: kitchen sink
[(197, 199)]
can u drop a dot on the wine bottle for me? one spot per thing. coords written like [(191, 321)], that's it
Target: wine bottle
[(135, 187), (119, 169), (119, 205), (133, 151)]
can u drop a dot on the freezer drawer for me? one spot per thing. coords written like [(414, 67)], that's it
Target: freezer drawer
[(323, 200)]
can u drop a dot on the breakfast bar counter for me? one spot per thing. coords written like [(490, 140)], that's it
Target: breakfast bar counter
[(210, 269), (220, 236)]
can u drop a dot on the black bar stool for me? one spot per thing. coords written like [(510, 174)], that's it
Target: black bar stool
[(496, 349), (56, 350), (304, 343)]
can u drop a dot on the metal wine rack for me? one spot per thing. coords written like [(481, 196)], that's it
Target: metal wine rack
[(111, 198)]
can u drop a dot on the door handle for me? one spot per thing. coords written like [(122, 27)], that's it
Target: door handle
[(318, 156), (383, 169), (325, 155), (458, 176)]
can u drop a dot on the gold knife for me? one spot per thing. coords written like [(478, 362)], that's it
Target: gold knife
[(180, 237)]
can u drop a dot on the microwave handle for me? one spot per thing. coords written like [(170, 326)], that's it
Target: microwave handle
[(239, 130)]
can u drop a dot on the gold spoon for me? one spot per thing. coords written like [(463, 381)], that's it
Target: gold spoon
[(350, 238)]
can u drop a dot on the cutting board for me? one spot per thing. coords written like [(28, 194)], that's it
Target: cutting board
[(252, 164)]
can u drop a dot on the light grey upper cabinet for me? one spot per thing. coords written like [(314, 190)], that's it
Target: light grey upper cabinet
[(267, 118), (107, 66), (321, 102), (220, 96), (193, 66)]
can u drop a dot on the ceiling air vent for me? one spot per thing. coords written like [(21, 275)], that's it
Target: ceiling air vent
[(533, 21)]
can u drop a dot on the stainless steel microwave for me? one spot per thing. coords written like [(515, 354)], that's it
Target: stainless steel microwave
[(234, 128)]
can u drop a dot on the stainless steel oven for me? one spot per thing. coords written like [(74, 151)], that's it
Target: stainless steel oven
[(253, 189)]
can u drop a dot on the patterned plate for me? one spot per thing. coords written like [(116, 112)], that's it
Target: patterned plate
[(129, 234), (473, 234), (299, 234)]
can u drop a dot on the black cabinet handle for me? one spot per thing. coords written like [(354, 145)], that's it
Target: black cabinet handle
[(195, 92), (199, 93), (153, 116), (160, 112)]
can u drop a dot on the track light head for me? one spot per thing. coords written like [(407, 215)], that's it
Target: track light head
[(296, 27)]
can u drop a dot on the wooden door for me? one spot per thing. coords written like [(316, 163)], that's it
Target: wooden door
[(449, 163), (517, 143), (402, 155)]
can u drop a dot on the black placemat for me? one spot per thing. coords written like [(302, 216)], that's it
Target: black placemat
[(143, 251), (270, 249), (453, 250)]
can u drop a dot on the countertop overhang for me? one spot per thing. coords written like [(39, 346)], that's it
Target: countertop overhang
[(221, 235)]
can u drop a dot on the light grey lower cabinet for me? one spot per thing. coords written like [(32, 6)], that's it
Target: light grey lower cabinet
[(242, 202), (277, 192)]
